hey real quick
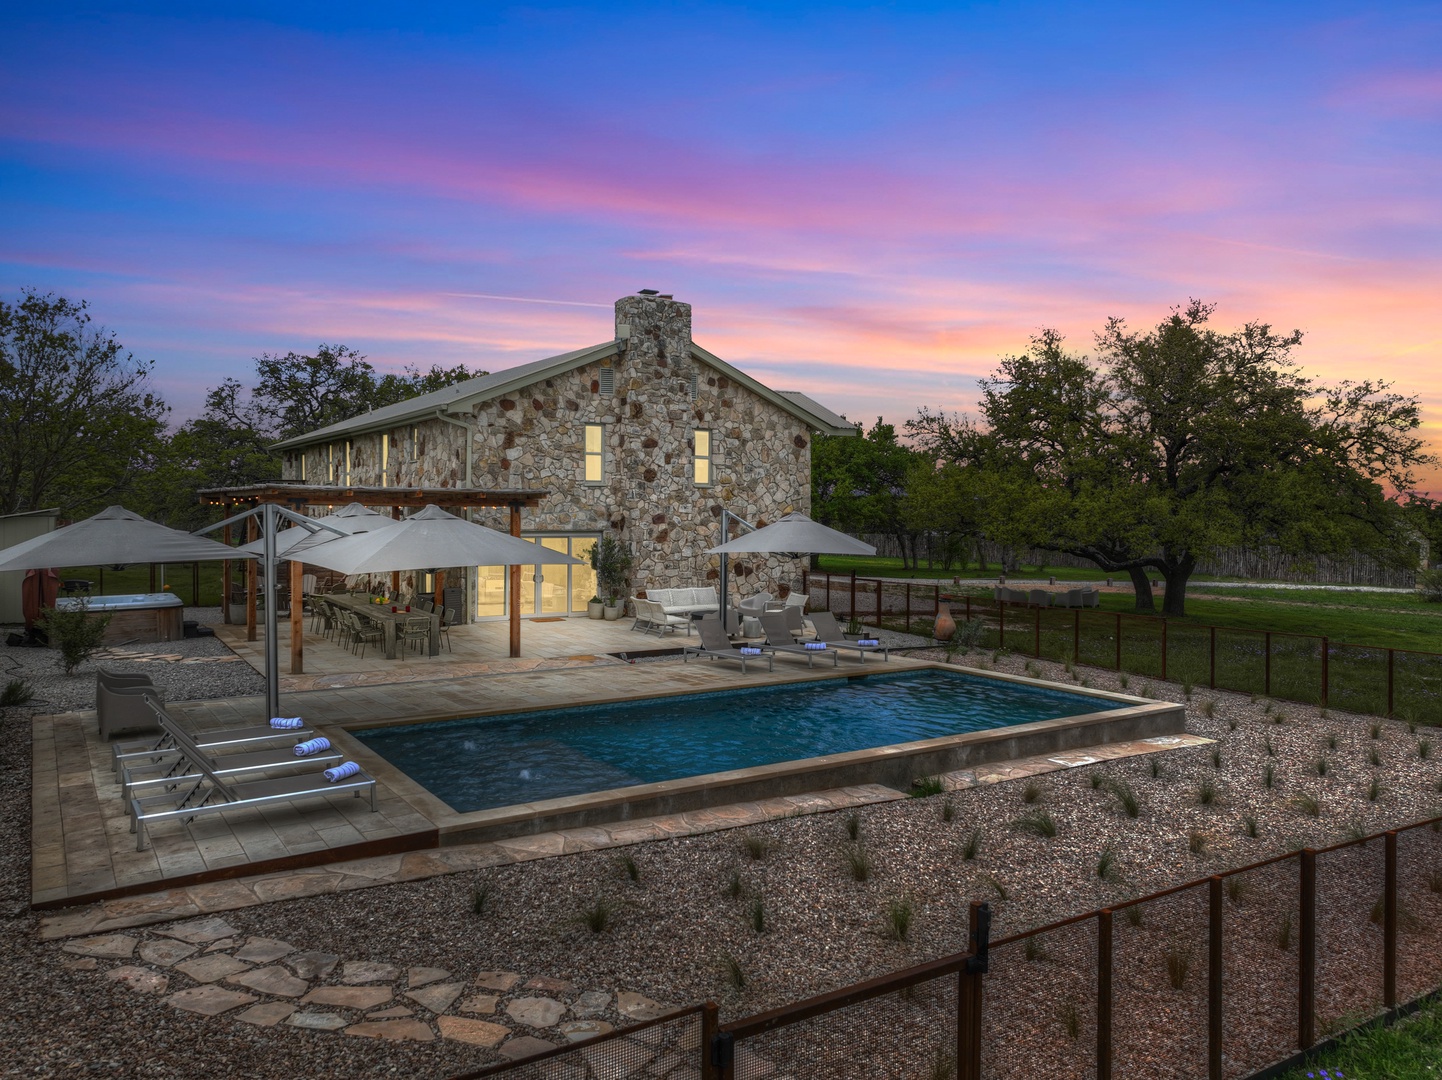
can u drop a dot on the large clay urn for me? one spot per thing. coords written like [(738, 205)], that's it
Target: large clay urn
[(945, 627)]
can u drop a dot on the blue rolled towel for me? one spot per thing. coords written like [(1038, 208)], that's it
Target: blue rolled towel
[(748, 651), (312, 746), (286, 723), (867, 641), (340, 772), (817, 645)]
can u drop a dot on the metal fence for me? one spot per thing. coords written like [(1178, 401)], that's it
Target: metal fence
[(1219, 977), (1311, 669)]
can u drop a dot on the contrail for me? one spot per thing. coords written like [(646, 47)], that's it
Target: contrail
[(525, 299)]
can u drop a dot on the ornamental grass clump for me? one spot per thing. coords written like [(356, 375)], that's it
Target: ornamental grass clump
[(1308, 803), (756, 915), (482, 893), (1374, 790), (1197, 842), (1269, 776), (732, 970), (1127, 801), (859, 863), (629, 867), (1249, 826), (597, 916), (1034, 948), (1107, 868), (1031, 792), (1207, 792), (1237, 888), (899, 916), (1179, 965), (853, 826), (971, 846), (1282, 936), (1134, 915), (927, 786), (1040, 824), (757, 846), (948, 810)]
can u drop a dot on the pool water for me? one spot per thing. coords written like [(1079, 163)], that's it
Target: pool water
[(523, 757)]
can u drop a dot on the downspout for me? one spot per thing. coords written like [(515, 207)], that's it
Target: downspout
[(470, 450)]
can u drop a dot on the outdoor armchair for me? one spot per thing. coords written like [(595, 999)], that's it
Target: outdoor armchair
[(124, 710)]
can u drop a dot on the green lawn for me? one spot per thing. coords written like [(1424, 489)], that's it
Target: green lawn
[(1409, 1050)]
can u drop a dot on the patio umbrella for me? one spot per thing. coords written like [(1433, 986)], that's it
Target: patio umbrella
[(430, 538), (794, 532), (349, 519), (115, 535)]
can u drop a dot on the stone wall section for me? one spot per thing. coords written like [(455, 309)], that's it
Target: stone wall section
[(659, 396)]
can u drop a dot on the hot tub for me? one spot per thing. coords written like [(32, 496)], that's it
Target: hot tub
[(134, 616)]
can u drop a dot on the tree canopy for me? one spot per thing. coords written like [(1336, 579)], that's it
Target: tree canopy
[(1181, 440), (78, 418)]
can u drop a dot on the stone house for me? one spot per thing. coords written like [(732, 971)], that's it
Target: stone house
[(646, 436)]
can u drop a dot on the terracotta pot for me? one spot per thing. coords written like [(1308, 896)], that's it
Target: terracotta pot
[(945, 627)]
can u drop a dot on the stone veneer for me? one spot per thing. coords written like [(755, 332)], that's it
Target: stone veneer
[(534, 438)]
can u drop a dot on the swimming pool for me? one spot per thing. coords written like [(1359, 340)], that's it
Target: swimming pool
[(503, 760)]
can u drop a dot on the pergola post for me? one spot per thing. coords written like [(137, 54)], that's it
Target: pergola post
[(515, 573), (225, 572), (251, 573), (297, 617), (395, 574)]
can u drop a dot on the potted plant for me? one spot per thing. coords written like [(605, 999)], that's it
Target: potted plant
[(594, 608), (612, 563)]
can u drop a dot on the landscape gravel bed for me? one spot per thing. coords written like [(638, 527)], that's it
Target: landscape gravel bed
[(683, 929)]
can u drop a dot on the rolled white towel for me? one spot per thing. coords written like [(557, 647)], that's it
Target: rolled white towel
[(816, 645), (312, 746), (867, 641), (748, 651), (286, 723), (340, 772)]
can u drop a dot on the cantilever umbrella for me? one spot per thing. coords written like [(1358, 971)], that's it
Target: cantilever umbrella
[(429, 538), (349, 519), (115, 535), (794, 532)]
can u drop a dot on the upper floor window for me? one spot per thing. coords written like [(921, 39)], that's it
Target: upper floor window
[(385, 459), (702, 443), (329, 463), (415, 442), (345, 463), (595, 456), (302, 466)]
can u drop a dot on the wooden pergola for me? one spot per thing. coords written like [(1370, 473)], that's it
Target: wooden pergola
[(300, 497)]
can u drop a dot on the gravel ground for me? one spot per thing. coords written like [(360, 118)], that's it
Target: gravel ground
[(57, 692), (674, 930)]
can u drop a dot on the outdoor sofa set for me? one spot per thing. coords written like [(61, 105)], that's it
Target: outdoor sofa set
[(178, 774), (1070, 598)]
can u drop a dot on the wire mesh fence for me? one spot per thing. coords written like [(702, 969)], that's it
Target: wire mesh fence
[(671, 1045), (1039, 1008)]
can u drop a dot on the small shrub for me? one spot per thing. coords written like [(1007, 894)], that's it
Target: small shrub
[(756, 845), (927, 786), (1331, 742), (853, 826), (1156, 767), (756, 915), (482, 894), (1033, 670), (948, 810), (1207, 791), (1279, 718), (597, 917), (1249, 826), (76, 633), (1216, 757), (1134, 914), (1309, 804), (1145, 691), (735, 975), (629, 867), (1374, 757), (1375, 730), (1070, 1020), (1269, 775), (1035, 949), (1209, 710), (1267, 745), (16, 694), (971, 846), (1123, 680), (1187, 689), (1237, 888), (1126, 798), (1098, 780), (1040, 824), (1107, 866), (1320, 766), (1179, 965), (858, 861), (1283, 934), (1424, 749), (899, 916), (1031, 792), (1197, 842), (1374, 790)]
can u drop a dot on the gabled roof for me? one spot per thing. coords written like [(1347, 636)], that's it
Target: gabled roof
[(465, 396)]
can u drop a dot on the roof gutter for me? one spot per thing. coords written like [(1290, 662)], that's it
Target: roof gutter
[(469, 449)]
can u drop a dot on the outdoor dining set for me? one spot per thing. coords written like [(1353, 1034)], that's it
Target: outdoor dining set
[(355, 620)]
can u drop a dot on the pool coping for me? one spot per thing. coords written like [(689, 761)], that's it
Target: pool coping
[(897, 765)]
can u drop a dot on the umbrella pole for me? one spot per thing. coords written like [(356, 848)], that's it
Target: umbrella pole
[(726, 573), (272, 645)]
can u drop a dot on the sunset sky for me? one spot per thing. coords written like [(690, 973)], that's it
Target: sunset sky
[(868, 203)]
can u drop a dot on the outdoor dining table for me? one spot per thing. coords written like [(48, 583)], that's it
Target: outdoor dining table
[(390, 621)]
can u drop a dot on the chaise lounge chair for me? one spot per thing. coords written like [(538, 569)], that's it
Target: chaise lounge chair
[(717, 646), (214, 793), (221, 739), (174, 766), (779, 639), (829, 631)]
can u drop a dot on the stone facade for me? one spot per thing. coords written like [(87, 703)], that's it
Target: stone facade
[(651, 393)]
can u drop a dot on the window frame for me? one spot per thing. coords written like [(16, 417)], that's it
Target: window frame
[(599, 454), (697, 458)]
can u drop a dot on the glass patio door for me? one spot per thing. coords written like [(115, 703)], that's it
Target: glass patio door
[(545, 590)]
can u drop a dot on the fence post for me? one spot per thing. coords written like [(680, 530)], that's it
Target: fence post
[(1389, 922), (1076, 636), (1001, 624), (1391, 679), (1164, 650), (1326, 660), (1214, 657), (709, 1066), (1215, 915), (1267, 668), (1104, 994), (852, 613), (1119, 640), (1036, 639), (908, 607), (1307, 953), (969, 992)]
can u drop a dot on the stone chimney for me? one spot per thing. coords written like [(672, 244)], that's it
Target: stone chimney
[(655, 328)]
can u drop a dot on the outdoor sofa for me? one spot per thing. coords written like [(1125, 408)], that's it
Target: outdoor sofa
[(651, 616), (686, 602)]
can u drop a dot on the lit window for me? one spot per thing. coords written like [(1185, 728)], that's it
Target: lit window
[(702, 444), (302, 466), (385, 460), (345, 480), (415, 443), (594, 444), (329, 463)]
